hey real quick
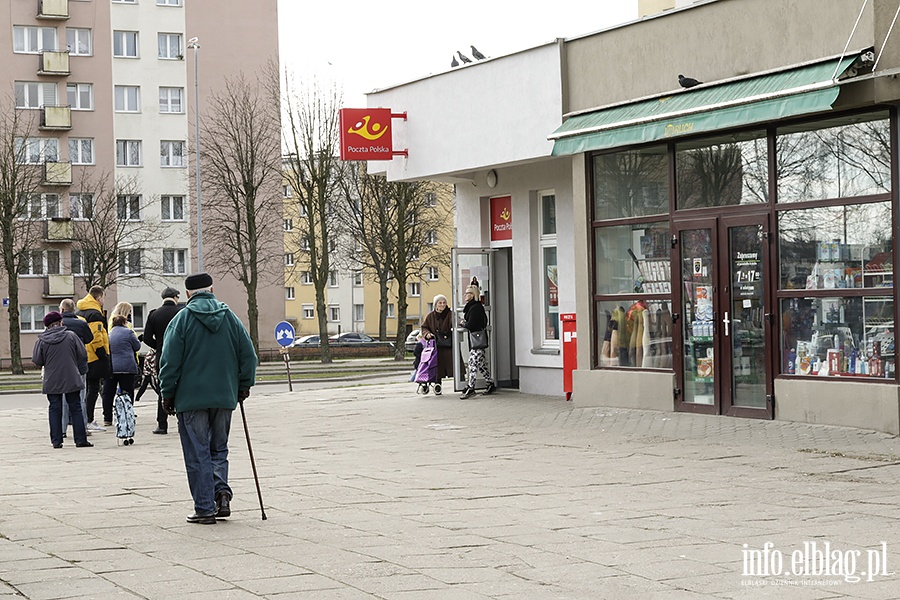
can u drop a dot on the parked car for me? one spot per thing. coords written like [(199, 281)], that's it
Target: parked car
[(411, 340), (306, 340), (351, 337)]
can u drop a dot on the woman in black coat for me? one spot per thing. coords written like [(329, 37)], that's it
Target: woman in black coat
[(475, 319)]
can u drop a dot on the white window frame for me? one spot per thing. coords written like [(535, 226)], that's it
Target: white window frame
[(128, 207), (164, 49), (308, 311), (334, 314), (289, 259), (333, 279), (306, 278), (286, 191), (546, 241), (430, 199), (35, 314), (40, 263), (415, 289), (290, 293), (130, 262), (168, 2), (78, 45), (37, 150), (391, 312), (35, 94), (137, 314), (127, 42), (288, 224), (75, 94), (303, 211), (359, 313), (81, 151), (357, 277), (81, 206), (125, 153), (168, 96), (40, 207), (28, 39), (76, 262), (127, 98), (171, 202), (431, 238), (172, 154), (174, 261), (433, 274)]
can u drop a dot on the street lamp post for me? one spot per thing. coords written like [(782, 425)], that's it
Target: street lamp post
[(194, 44)]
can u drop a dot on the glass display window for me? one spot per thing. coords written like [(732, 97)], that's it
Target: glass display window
[(633, 259), (631, 184), (635, 333), (727, 171)]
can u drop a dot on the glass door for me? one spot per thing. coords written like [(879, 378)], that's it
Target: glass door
[(725, 324), (471, 265)]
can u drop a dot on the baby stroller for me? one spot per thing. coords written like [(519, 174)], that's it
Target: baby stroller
[(427, 370)]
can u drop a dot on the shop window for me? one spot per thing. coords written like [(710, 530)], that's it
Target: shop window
[(631, 184), (836, 247), (635, 333), (549, 273), (727, 171), (839, 158), (838, 337), (633, 259)]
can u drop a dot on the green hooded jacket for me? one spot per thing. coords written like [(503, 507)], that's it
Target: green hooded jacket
[(207, 357)]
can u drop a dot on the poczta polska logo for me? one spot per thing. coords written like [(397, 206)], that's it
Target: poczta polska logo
[(371, 132)]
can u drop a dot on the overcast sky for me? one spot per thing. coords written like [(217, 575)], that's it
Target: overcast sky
[(362, 45)]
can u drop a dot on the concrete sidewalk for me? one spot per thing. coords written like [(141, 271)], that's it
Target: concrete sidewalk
[(375, 492)]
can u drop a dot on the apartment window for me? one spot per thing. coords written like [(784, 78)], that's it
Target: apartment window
[(128, 153), (34, 39), (124, 1), (359, 312), (33, 94), (289, 293), (39, 262), (34, 151), (168, 2), (174, 262), (309, 312), (357, 277), (125, 44), (80, 96), (128, 207), (431, 237), (130, 262), (303, 211), (415, 289), (430, 199), (137, 315), (77, 263), (169, 46), (333, 280), (127, 98), (548, 276), (286, 191), (81, 151), (429, 307), (432, 273), (306, 278), (170, 100), (390, 311), (78, 42), (288, 224), (334, 313), (81, 206), (52, 262), (31, 316), (171, 154), (304, 243), (41, 206), (172, 208), (289, 259)]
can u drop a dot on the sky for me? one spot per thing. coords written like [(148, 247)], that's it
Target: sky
[(360, 45)]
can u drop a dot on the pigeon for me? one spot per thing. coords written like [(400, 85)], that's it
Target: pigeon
[(454, 63), (687, 82), (463, 57), (478, 55)]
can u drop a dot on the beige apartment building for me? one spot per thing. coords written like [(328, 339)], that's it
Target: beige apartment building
[(110, 85)]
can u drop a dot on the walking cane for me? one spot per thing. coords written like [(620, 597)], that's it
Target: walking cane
[(252, 462)]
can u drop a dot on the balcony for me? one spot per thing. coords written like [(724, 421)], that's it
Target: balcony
[(54, 63), (57, 10), (59, 286), (57, 173), (58, 229), (56, 118)]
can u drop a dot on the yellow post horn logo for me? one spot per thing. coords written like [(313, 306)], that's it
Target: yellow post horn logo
[(362, 129), (504, 214)]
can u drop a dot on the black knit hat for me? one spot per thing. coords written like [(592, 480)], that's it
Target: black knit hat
[(170, 292), (198, 281)]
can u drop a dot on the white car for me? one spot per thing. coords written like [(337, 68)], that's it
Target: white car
[(306, 340), (411, 340)]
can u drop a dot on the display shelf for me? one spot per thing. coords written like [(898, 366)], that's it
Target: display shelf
[(701, 338)]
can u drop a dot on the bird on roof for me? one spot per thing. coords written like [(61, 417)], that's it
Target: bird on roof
[(687, 82), (463, 57), (475, 53), (454, 62)]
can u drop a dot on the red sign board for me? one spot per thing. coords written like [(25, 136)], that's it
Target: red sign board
[(501, 218), (366, 134)]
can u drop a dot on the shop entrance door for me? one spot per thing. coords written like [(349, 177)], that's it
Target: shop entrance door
[(726, 325), (472, 265)]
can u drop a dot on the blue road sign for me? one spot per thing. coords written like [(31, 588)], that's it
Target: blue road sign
[(284, 333)]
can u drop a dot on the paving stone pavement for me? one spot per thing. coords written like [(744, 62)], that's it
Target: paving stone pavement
[(375, 492)]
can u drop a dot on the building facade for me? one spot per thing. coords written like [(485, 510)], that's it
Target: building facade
[(118, 77), (726, 248)]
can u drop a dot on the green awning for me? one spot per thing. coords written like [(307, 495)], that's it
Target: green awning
[(761, 99)]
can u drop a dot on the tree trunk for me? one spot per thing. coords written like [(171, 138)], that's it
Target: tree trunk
[(382, 308), (15, 327), (400, 345), (324, 346), (253, 316)]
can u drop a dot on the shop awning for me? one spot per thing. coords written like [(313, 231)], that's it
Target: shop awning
[(808, 89)]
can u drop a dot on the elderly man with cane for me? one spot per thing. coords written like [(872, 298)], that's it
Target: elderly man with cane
[(207, 366)]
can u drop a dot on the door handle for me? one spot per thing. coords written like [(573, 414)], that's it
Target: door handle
[(726, 322)]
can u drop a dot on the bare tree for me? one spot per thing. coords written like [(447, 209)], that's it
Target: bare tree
[(241, 164), (313, 170), (20, 227), (111, 227)]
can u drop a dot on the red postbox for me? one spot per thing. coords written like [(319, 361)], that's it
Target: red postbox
[(570, 351)]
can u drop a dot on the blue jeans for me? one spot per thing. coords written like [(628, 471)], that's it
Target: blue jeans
[(73, 400), (204, 443)]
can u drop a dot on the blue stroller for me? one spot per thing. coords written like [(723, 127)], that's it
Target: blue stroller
[(427, 370)]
